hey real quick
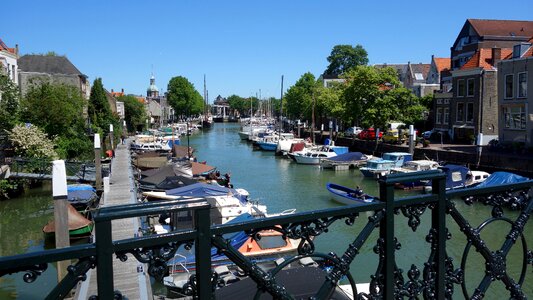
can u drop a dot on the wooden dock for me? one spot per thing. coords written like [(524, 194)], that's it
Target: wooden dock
[(130, 277)]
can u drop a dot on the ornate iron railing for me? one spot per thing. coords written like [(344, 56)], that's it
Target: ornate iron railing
[(438, 279)]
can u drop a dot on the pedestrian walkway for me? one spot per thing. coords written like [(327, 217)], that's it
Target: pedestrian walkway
[(130, 277)]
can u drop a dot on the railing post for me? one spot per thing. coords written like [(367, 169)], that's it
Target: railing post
[(386, 233), (104, 254), (202, 250), (97, 162), (438, 222)]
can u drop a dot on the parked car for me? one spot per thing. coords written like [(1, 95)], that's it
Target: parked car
[(352, 131), (369, 134), (393, 136)]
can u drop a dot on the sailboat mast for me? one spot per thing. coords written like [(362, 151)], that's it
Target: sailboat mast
[(281, 108)]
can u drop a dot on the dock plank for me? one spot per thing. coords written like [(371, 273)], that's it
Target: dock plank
[(131, 283)]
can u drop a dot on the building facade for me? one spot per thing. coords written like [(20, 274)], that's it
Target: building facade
[(9, 61), (515, 98), (34, 69)]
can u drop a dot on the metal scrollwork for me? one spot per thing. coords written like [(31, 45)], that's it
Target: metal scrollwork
[(414, 212), (32, 272), (516, 200), (156, 256)]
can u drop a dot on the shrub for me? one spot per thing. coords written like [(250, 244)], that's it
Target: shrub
[(31, 142)]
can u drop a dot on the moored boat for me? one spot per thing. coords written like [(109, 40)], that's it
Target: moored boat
[(346, 195), (346, 160), (79, 226), (314, 157), (381, 166)]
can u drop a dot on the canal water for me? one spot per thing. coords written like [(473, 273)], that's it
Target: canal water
[(280, 184)]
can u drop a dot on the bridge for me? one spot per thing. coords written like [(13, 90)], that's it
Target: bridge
[(436, 277), (41, 169)]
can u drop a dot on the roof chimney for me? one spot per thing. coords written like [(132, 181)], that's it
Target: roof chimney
[(122, 91), (112, 91), (17, 49), (496, 55)]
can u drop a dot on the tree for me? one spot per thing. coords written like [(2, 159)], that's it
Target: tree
[(374, 97), (239, 104), (99, 110), (9, 103), (62, 119), (346, 57), (31, 142), (64, 107), (135, 113), (298, 99), (183, 97)]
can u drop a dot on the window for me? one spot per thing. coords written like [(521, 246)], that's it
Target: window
[(439, 116), (446, 116), (460, 112), (515, 117), (522, 85), (470, 87), (439, 101), (461, 88), (508, 86), (419, 76), (470, 112)]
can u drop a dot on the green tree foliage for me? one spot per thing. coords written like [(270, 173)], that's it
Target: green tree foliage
[(31, 142), (135, 113), (346, 57), (298, 99), (64, 107), (374, 97), (328, 101), (9, 103), (99, 110), (239, 104), (183, 97), (62, 119)]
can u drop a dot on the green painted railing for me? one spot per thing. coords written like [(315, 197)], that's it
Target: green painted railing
[(437, 280)]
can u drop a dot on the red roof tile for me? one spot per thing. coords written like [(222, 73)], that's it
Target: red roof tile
[(483, 59), (502, 27), (443, 64), (4, 47)]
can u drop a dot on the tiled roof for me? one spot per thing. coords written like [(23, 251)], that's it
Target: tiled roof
[(442, 64), (4, 47), (483, 59), (420, 68), (502, 27), (47, 64)]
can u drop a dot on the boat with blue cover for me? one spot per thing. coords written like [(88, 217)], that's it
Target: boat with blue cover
[(346, 195), (381, 166), (499, 178), (350, 159), (82, 196)]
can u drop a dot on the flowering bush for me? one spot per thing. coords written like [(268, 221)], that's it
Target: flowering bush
[(31, 142)]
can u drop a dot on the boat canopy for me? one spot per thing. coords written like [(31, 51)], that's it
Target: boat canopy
[(205, 190), (455, 175), (350, 156), (499, 178)]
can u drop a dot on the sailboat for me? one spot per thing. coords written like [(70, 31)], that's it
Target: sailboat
[(207, 120)]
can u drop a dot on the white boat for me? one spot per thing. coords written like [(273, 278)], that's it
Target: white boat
[(414, 166), (285, 143), (314, 157), (226, 203)]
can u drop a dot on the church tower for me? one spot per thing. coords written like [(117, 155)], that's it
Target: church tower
[(152, 91)]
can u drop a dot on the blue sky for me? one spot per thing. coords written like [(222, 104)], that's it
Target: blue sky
[(241, 46)]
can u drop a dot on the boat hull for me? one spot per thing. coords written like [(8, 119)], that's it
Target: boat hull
[(267, 146), (344, 194)]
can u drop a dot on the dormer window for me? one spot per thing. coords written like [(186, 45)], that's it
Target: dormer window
[(419, 76)]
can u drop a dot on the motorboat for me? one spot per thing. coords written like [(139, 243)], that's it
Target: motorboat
[(414, 166), (226, 203), (381, 166), (346, 195), (314, 157), (345, 161), (458, 177)]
